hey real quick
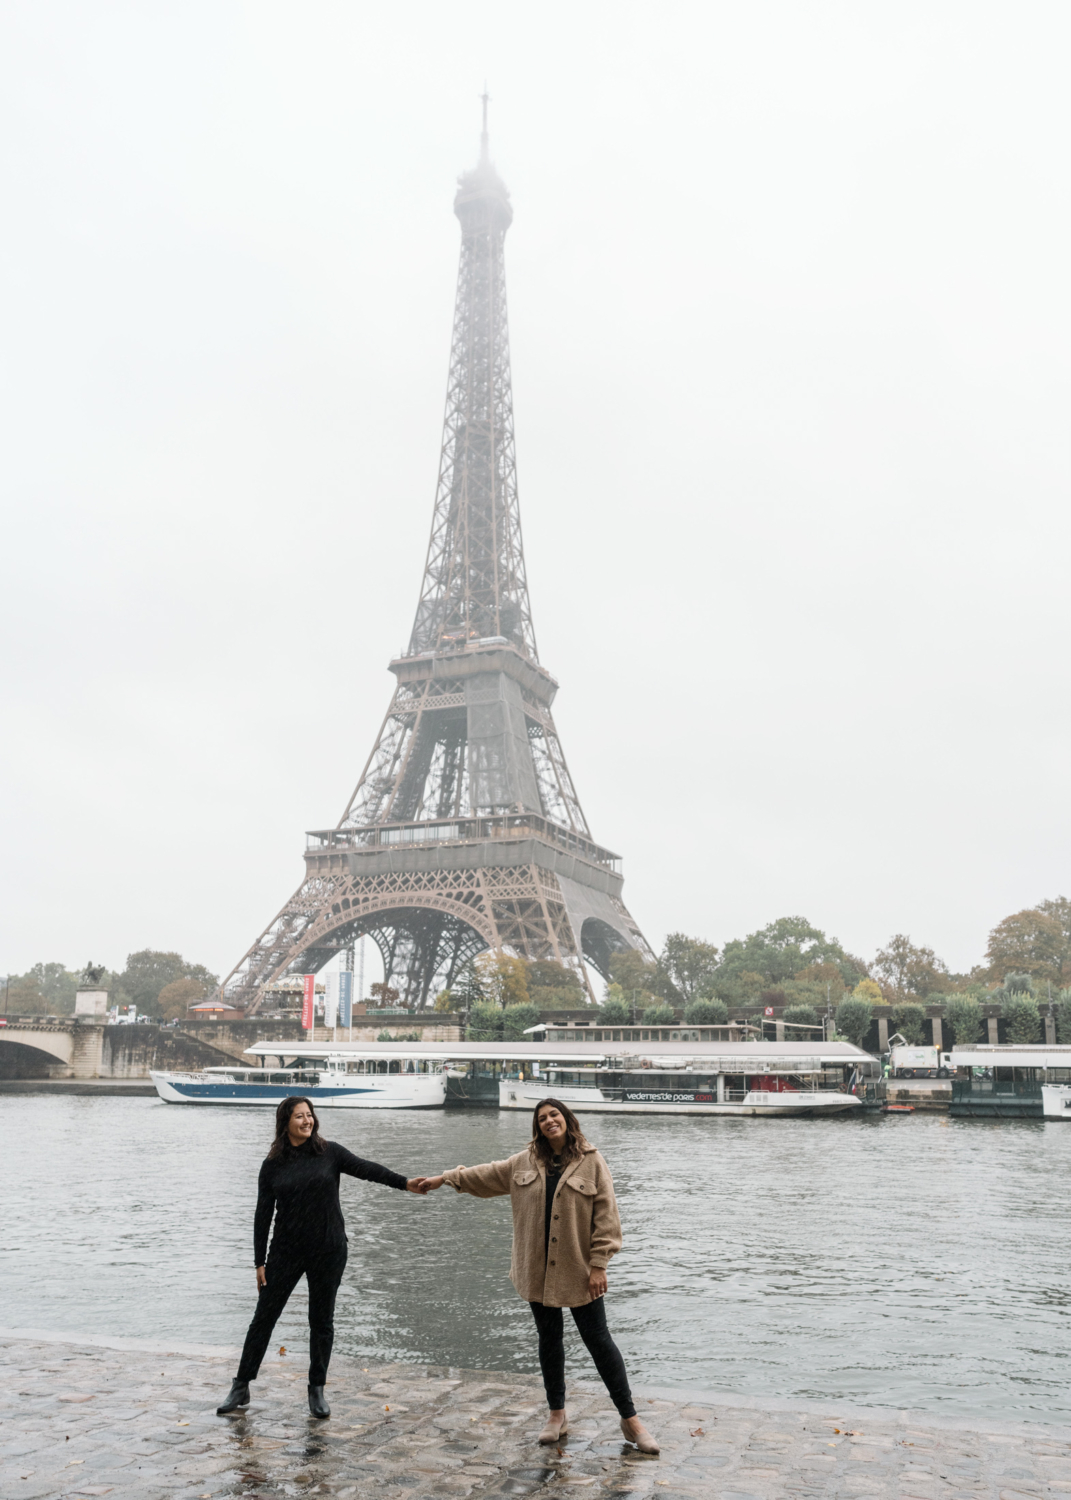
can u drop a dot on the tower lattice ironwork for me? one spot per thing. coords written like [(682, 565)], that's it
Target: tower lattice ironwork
[(465, 831)]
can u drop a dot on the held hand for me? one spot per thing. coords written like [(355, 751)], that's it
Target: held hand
[(262, 1278), (432, 1184), (597, 1283), (417, 1185)]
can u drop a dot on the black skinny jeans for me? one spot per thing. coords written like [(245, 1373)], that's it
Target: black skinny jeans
[(590, 1320), (283, 1272)]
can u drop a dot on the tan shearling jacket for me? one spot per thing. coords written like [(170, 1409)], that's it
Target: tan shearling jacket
[(585, 1228)]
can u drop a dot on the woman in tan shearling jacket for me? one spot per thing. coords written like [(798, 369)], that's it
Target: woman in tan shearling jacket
[(565, 1229)]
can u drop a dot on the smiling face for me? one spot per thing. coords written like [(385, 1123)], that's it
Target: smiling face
[(551, 1124), (301, 1124)]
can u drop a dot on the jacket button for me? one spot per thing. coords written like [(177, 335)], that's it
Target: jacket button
[(557, 1216), (554, 1262), (554, 1239)]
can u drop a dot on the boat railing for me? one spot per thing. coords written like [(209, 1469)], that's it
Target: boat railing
[(973, 1088)]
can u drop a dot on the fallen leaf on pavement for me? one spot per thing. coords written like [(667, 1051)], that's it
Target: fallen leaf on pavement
[(697, 1432)]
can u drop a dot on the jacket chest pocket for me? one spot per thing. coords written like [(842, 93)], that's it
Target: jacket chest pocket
[(586, 1189), (523, 1179)]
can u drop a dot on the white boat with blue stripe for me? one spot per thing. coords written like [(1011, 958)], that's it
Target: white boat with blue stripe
[(353, 1080)]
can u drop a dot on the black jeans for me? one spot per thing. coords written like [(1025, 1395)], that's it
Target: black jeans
[(324, 1273), (590, 1320)]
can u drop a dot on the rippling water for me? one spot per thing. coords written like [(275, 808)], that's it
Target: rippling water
[(913, 1261)]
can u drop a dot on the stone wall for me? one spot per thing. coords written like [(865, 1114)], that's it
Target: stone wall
[(130, 1052)]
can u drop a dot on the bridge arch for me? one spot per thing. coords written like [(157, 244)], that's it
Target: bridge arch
[(34, 1051)]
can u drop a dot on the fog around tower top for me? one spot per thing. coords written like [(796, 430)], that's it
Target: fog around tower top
[(789, 330)]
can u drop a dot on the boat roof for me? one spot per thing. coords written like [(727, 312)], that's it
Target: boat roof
[(1008, 1055), (592, 1052)]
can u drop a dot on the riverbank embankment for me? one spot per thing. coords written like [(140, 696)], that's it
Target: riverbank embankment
[(127, 1418)]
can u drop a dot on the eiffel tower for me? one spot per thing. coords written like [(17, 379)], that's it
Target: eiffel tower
[(465, 831)]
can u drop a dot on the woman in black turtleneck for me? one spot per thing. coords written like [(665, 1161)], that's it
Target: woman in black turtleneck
[(299, 1185)]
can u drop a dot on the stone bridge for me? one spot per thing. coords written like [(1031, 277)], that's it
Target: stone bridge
[(79, 1047), (44, 1047)]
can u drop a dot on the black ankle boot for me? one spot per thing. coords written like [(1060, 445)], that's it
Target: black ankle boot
[(237, 1396), (317, 1405)]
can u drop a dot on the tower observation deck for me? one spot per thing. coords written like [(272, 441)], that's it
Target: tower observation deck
[(465, 831)]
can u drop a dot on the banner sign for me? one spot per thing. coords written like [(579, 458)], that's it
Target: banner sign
[(345, 998), (308, 1002), (331, 1000), (667, 1098)]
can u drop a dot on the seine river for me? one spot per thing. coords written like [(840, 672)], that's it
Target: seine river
[(910, 1261)]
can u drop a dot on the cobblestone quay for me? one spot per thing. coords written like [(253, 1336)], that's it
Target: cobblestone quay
[(129, 1419)]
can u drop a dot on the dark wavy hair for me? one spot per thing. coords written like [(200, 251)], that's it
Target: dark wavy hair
[(281, 1144), (575, 1139)]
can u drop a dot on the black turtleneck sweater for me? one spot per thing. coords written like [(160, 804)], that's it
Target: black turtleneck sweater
[(301, 1188)]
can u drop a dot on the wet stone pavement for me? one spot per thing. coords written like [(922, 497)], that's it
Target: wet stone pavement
[(124, 1419)]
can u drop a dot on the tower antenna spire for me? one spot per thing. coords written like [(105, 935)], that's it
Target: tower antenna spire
[(485, 155)]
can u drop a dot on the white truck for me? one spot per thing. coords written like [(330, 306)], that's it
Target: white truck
[(919, 1062)]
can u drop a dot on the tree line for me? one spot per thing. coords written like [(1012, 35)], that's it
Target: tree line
[(789, 964), (161, 985), (794, 966)]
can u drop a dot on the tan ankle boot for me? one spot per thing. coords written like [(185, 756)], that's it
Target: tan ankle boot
[(637, 1433), (554, 1430)]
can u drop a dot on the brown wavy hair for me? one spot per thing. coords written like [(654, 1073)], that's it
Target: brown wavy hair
[(575, 1139), (281, 1144)]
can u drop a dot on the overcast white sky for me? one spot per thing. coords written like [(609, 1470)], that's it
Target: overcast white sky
[(789, 308)]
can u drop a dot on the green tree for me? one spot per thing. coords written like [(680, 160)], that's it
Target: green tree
[(778, 953), (174, 1000), (1015, 984), (910, 1021), (690, 966), (485, 1022), (909, 970), (516, 1019), (44, 990), (467, 990), (1020, 1011), (1062, 1006), (552, 986), (635, 977), (615, 1009), (1034, 942), (963, 1016), (712, 1012), (57, 984), (503, 978), (853, 1019), (659, 1015), (800, 1015), (384, 996), (631, 970), (149, 970)]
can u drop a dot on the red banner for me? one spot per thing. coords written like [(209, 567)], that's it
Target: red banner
[(307, 1004)]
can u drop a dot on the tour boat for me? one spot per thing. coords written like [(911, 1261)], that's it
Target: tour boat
[(646, 1076), (351, 1081), (679, 1086), (1006, 1080)]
